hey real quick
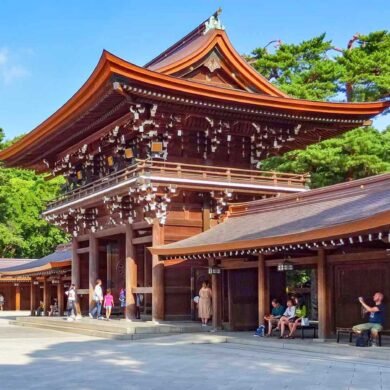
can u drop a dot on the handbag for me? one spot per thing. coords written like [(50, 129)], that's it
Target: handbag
[(305, 321)]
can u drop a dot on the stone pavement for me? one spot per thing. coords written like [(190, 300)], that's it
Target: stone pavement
[(44, 359)]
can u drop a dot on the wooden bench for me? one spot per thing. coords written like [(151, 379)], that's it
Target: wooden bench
[(350, 332), (313, 325)]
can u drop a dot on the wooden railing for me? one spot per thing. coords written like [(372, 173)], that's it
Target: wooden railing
[(162, 169)]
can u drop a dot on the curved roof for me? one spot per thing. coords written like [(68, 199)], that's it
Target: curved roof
[(55, 260), (326, 213), (78, 116)]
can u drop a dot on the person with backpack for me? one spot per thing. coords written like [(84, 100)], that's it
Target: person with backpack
[(376, 318), (98, 299)]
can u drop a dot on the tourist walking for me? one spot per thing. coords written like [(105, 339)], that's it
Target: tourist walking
[(122, 300), (98, 299), (204, 305), (1, 302), (71, 304), (108, 303)]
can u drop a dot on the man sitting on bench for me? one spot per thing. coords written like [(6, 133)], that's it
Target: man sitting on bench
[(273, 318), (376, 319)]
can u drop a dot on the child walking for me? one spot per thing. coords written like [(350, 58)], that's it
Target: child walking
[(108, 303)]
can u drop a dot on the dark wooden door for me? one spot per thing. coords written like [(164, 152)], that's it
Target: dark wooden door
[(243, 299), (353, 281)]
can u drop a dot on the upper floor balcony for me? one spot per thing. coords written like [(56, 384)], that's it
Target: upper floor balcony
[(201, 178)]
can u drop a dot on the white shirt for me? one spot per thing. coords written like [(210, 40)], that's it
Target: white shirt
[(289, 312), (71, 294), (98, 293)]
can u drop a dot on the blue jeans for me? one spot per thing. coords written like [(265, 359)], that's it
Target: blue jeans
[(97, 309)]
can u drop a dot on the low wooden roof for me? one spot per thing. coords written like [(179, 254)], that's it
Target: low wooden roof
[(323, 214), (57, 260), (100, 101), (8, 262)]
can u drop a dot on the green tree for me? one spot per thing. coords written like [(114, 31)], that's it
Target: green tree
[(23, 196), (356, 154), (317, 70)]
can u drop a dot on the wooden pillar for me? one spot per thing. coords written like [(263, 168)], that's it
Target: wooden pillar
[(33, 299), (131, 275), (93, 267), (158, 290), (60, 297), (17, 297), (75, 264), (323, 319), (216, 297), (46, 296), (263, 296), (76, 271)]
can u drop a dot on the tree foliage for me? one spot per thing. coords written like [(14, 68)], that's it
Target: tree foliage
[(356, 154), (317, 70), (23, 196)]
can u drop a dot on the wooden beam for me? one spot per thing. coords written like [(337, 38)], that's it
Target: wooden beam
[(262, 289), (142, 290), (206, 212), (119, 229), (142, 240), (359, 256), (158, 295), (309, 260), (323, 319), (131, 274), (141, 225), (82, 250), (93, 267), (183, 222)]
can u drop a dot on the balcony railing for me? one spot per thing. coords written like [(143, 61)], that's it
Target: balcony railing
[(187, 173)]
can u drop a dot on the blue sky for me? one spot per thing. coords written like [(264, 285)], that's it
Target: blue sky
[(49, 48)]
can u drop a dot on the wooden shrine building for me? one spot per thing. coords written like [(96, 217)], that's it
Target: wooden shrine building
[(342, 231), (25, 283), (153, 154)]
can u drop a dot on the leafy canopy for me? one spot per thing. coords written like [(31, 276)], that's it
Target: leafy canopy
[(316, 70), (356, 154), (23, 196)]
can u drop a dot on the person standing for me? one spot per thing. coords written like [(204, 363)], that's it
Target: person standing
[(98, 298), (122, 300), (204, 305), (139, 299), (108, 303), (376, 318), (71, 304), (1, 302)]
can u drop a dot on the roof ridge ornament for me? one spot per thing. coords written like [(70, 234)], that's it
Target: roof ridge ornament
[(214, 23)]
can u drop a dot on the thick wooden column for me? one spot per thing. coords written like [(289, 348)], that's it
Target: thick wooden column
[(93, 267), (323, 318), (17, 297), (131, 275), (263, 296), (75, 264), (206, 212), (158, 290), (60, 297), (46, 296), (216, 297), (33, 297)]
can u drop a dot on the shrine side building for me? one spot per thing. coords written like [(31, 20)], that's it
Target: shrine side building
[(153, 155)]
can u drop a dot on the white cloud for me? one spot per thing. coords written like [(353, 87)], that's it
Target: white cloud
[(9, 69)]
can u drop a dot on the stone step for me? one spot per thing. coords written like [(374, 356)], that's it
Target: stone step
[(107, 334)]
